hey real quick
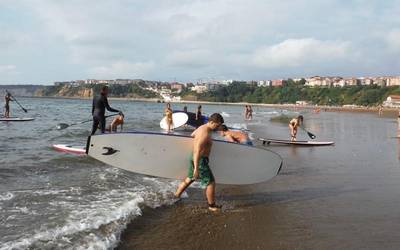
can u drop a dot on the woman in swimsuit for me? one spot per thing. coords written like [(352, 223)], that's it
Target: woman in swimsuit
[(294, 124), (168, 114)]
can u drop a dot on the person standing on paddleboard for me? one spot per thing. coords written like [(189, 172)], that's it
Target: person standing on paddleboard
[(294, 125), (198, 163), (100, 104), (7, 99)]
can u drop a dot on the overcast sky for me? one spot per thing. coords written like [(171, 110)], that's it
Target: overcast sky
[(42, 41)]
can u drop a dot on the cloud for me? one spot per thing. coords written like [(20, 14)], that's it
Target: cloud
[(190, 58), (122, 69), (393, 40), (300, 52), (8, 69)]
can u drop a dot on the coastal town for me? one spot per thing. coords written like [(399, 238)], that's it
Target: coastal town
[(170, 91)]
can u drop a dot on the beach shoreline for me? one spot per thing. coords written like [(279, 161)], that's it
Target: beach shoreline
[(374, 109)]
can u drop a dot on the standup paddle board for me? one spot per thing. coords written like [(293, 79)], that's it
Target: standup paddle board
[(167, 155), (16, 119), (77, 150), (192, 119), (179, 119), (300, 143)]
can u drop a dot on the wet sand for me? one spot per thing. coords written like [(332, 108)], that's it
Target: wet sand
[(335, 197)]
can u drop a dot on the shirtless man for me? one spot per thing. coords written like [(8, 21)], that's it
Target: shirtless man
[(235, 136), (198, 164), (294, 124)]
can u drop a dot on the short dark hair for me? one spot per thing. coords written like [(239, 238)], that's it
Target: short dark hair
[(217, 118), (300, 117), (224, 128)]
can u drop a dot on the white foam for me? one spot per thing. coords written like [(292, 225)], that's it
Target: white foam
[(98, 220), (224, 114), (7, 196)]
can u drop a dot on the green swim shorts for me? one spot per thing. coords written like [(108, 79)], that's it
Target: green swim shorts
[(205, 174)]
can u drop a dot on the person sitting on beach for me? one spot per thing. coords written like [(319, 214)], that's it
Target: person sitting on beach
[(7, 99), (168, 113), (235, 136), (118, 121), (294, 124), (198, 164)]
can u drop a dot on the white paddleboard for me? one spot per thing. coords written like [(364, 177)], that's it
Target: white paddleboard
[(300, 143), (167, 155), (77, 150), (178, 120), (16, 119)]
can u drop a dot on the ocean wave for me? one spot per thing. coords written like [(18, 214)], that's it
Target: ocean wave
[(96, 221), (7, 196)]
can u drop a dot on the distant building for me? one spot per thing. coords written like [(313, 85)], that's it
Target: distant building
[(313, 81), (177, 87), (352, 81), (264, 83), (278, 83), (301, 103), (393, 81), (199, 88), (392, 101)]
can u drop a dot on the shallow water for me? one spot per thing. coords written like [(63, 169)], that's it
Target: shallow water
[(336, 194), (52, 200)]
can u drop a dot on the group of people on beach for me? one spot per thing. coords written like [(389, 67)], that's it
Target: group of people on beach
[(198, 165)]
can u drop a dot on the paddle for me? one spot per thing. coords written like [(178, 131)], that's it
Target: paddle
[(26, 111), (311, 135), (65, 125)]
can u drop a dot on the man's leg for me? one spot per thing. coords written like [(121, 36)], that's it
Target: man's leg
[(210, 194), (182, 187), (103, 125), (95, 125)]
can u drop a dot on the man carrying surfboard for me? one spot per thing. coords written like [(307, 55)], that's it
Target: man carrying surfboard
[(7, 99), (99, 106), (294, 124), (198, 163), (235, 136)]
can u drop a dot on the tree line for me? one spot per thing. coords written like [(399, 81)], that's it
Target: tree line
[(370, 95)]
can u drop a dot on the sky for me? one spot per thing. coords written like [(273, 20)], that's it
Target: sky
[(42, 41)]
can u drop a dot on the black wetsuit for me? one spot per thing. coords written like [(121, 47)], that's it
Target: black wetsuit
[(100, 104), (7, 105)]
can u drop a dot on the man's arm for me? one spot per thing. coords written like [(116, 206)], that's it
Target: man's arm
[(93, 105), (108, 106)]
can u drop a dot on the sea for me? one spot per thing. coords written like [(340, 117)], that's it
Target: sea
[(53, 200)]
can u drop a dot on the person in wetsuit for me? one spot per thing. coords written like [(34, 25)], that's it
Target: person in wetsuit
[(7, 99), (100, 104)]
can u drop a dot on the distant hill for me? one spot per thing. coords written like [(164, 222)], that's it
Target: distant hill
[(20, 90)]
